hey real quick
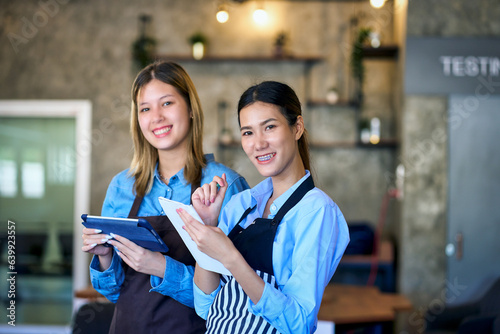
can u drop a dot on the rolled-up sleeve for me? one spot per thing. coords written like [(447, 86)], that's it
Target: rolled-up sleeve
[(179, 282), (109, 281), (203, 301)]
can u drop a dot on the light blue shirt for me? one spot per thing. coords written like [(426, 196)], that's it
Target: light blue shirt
[(308, 246), (177, 281)]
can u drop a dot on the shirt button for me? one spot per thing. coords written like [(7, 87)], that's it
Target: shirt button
[(273, 207)]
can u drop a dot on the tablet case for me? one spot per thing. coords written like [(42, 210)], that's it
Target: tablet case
[(138, 231)]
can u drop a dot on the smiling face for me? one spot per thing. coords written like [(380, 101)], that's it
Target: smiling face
[(164, 117), (269, 142)]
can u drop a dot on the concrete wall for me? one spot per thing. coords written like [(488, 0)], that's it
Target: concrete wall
[(62, 49)]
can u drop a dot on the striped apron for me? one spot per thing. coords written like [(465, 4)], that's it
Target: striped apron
[(229, 312)]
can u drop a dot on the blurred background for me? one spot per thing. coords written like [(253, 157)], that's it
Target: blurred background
[(407, 150)]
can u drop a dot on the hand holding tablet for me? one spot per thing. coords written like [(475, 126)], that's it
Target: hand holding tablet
[(138, 231)]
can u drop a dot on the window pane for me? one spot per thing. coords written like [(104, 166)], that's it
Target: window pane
[(33, 180), (37, 174), (8, 178)]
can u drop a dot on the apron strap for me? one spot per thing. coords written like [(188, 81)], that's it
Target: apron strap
[(236, 229), (135, 207), (138, 200), (297, 195)]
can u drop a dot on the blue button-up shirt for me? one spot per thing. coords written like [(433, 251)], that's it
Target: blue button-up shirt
[(177, 281), (308, 246)]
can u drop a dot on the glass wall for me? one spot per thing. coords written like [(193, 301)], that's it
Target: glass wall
[(37, 187)]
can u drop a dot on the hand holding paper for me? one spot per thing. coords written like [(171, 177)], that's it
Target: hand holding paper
[(205, 261), (209, 239)]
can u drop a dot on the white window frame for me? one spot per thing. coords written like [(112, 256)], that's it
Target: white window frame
[(81, 111)]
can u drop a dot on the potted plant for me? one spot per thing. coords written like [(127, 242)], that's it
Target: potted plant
[(280, 43), (332, 95), (198, 42), (358, 70), (364, 130), (144, 48)]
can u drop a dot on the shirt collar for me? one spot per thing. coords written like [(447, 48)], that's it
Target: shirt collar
[(265, 188), (180, 174)]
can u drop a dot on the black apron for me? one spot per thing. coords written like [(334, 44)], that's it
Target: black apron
[(140, 311), (229, 313)]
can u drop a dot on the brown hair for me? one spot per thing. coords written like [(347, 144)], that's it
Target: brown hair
[(145, 155)]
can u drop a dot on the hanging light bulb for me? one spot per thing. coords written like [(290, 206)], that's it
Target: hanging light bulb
[(260, 16), (222, 14), (377, 3)]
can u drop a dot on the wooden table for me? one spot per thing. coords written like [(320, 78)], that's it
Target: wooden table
[(342, 304), (354, 304), (89, 293)]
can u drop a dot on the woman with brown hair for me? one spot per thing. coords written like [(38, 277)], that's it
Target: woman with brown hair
[(153, 292)]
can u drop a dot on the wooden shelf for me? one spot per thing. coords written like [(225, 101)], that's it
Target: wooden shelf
[(253, 59), (384, 51), (339, 104), (232, 144), (307, 60), (330, 145), (384, 143)]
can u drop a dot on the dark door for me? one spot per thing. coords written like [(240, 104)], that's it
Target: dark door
[(474, 196)]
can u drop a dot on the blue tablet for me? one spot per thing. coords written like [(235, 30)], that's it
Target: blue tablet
[(138, 231)]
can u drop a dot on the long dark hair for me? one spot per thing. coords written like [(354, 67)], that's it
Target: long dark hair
[(284, 97)]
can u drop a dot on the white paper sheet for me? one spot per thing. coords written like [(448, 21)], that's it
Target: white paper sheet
[(203, 260)]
